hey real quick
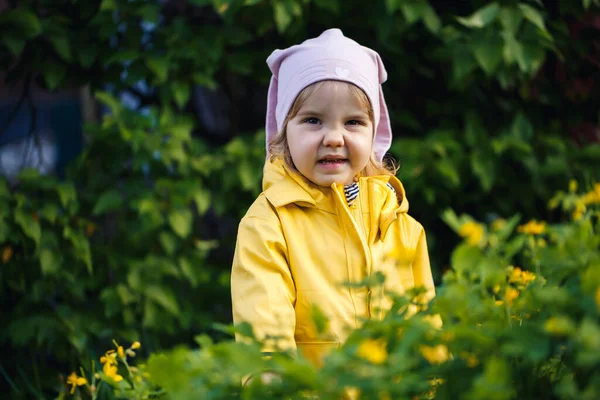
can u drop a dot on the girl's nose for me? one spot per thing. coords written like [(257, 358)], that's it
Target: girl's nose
[(333, 138)]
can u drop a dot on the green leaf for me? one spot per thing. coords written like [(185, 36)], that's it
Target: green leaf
[(510, 18), (54, 74), (181, 222), (463, 64), (108, 5), (521, 127), (284, 11), (465, 258), (169, 242), (108, 201), (81, 246), (14, 44), (484, 168), (533, 16), (533, 58), (431, 19), (62, 46), (481, 17), (187, 270), (448, 170), (50, 212), (181, 92), (29, 226), (87, 55), (202, 199), (26, 21), (475, 132), (110, 101), (164, 297), (49, 262), (159, 66), (513, 52), (330, 5), (411, 11), (487, 49), (450, 218), (66, 193)]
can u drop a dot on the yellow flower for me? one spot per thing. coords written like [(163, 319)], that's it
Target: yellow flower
[(136, 345), (436, 354), (559, 326), (470, 358), (498, 224), (521, 277), (110, 357), (111, 372), (499, 302), (533, 227), (7, 254), (592, 197), (598, 298), (472, 231), (510, 295), (121, 352), (75, 381), (373, 351), (572, 186)]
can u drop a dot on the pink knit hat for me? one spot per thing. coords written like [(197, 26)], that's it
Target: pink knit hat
[(331, 56)]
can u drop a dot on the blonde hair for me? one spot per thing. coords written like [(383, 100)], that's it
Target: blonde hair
[(278, 146)]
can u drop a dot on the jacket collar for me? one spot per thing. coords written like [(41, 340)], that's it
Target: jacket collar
[(283, 186)]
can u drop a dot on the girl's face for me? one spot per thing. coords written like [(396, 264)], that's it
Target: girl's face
[(330, 139)]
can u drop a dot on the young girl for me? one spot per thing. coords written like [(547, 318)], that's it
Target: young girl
[(331, 210)]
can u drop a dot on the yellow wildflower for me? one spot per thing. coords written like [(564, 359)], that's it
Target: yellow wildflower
[(472, 231), (499, 302), (510, 295), (75, 381), (7, 254), (498, 224), (373, 351), (521, 277), (436, 354), (470, 359), (572, 186), (593, 196), (559, 326), (111, 372), (598, 298), (136, 345), (110, 357), (121, 352), (533, 227)]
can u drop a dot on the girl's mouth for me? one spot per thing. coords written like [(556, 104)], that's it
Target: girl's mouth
[(332, 161)]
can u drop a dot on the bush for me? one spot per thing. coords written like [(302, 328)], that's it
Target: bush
[(493, 108), (530, 330)]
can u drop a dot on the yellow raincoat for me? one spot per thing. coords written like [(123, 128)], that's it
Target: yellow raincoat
[(299, 242)]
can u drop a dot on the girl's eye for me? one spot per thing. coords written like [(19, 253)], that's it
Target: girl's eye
[(354, 122), (311, 120)]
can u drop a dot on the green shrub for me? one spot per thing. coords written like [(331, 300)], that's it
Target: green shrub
[(528, 331), (493, 105)]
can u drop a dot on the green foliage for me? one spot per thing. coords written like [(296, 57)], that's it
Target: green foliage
[(508, 332), (490, 105)]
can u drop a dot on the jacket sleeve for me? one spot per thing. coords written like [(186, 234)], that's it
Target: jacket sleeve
[(421, 268), (422, 273), (262, 289)]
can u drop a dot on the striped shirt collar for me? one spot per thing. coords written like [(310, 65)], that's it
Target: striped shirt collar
[(351, 191)]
